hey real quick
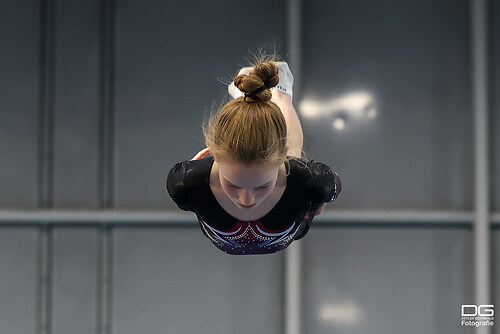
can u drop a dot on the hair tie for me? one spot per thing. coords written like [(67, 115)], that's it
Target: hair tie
[(253, 94)]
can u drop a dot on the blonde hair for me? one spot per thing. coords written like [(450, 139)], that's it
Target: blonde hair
[(250, 129)]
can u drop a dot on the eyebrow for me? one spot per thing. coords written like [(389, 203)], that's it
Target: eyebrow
[(265, 184)]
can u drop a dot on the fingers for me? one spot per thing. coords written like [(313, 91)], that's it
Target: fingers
[(204, 152), (201, 154), (285, 84), (232, 90), (245, 70)]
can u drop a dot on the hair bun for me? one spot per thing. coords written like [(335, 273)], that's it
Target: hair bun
[(263, 74), (268, 72)]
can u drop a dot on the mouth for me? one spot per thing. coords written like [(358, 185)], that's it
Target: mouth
[(247, 206)]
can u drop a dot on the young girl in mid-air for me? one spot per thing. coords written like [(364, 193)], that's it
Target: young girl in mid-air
[(254, 193)]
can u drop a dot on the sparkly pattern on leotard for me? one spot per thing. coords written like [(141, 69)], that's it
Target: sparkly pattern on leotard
[(250, 237)]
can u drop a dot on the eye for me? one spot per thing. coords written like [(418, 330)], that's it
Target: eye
[(264, 186)]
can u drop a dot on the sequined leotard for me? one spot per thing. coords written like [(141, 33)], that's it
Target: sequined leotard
[(309, 184)]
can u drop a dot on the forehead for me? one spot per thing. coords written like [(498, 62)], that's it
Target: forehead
[(245, 175)]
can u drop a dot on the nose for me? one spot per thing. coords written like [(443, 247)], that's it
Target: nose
[(245, 197)]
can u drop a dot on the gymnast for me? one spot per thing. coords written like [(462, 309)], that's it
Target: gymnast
[(251, 189)]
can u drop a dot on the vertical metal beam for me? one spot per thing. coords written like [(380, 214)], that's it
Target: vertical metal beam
[(293, 259), (481, 198), (104, 280), (44, 281), (294, 42), (107, 104), (46, 106), (293, 300)]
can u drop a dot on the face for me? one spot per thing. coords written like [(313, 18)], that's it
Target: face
[(247, 186)]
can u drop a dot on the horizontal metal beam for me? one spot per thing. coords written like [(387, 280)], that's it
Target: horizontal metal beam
[(142, 218), (396, 217), (95, 217)]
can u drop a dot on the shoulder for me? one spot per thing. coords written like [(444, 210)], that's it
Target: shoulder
[(322, 183), (307, 172), (185, 177)]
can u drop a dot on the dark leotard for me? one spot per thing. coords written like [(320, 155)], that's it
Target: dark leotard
[(309, 184)]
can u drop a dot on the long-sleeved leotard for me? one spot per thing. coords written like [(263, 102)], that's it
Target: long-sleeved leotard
[(309, 184)]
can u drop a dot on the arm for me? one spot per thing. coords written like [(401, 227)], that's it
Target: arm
[(319, 210), (282, 97), (294, 129)]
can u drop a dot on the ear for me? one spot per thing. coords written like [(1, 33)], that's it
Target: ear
[(287, 148)]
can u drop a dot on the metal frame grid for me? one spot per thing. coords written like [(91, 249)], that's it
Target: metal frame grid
[(481, 221)]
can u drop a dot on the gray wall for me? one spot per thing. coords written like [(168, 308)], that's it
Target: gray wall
[(100, 98), (412, 57), (356, 280), (494, 55), (92, 121)]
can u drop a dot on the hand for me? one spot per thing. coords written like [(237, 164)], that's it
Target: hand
[(285, 84), (232, 89), (200, 155), (286, 79)]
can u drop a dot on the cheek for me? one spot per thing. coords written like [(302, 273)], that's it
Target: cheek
[(267, 191), (230, 191), (264, 192)]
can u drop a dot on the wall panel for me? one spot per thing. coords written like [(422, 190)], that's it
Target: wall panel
[(170, 58), (75, 280), (494, 99), (362, 280), (19, 104), (175, 280), (18, 280), (77, 104), (387, 101), (495, 272)]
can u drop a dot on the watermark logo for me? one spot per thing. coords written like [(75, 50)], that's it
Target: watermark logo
[(478, 315)]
